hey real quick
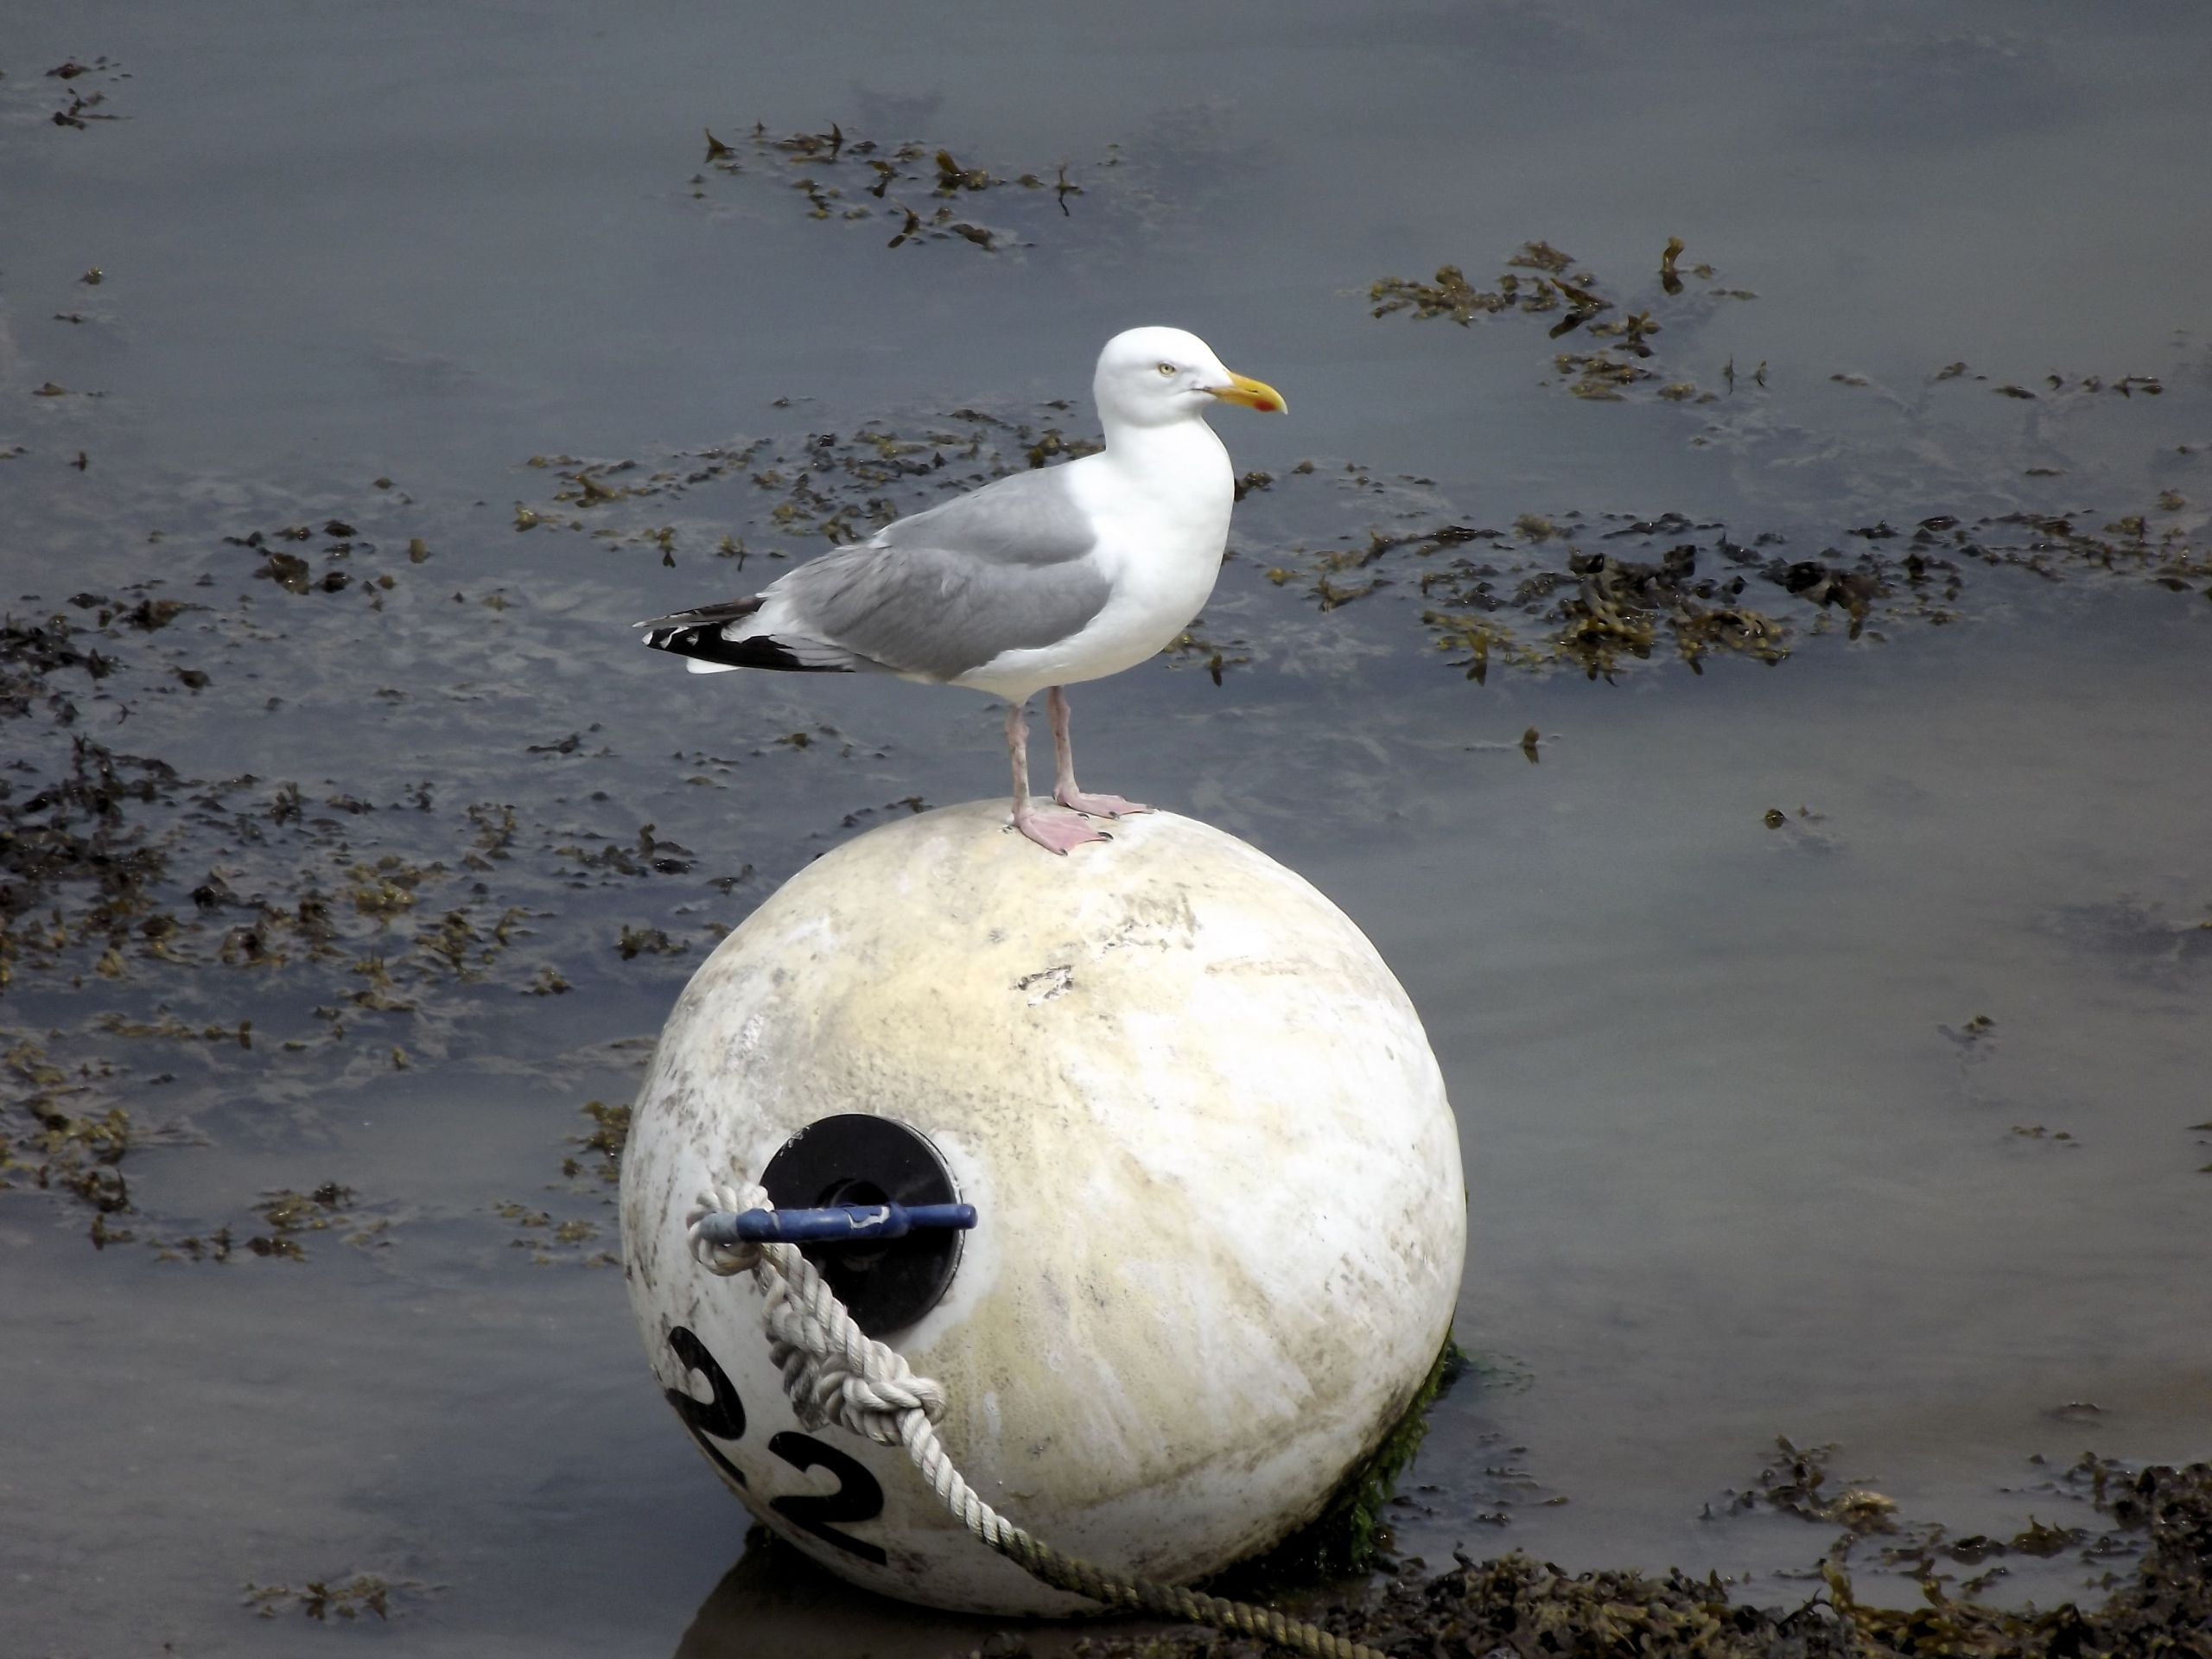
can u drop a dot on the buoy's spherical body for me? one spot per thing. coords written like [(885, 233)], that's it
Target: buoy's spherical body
[(1222, 1211)]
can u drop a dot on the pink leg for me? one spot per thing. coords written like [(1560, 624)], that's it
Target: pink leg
[(1064, 789), (1054, 831)]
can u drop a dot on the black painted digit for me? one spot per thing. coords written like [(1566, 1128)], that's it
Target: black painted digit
[(722, 1416), (857, 1497)]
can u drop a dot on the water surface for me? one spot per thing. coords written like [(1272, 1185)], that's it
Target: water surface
[(1741, 1160)]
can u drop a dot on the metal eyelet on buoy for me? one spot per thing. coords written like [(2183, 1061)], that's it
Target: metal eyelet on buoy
[(854, 1159)]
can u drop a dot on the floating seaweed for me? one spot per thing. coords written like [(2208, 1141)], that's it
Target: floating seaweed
[(333, 1597), (849, 177), (1578, 303), (1540, 595)]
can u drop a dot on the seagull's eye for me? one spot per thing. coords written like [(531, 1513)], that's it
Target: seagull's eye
[(1169, 368)]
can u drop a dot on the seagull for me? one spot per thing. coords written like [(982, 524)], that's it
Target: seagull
[(1033, 582)]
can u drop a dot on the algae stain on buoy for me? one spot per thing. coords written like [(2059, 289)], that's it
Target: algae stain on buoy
[(1222, 1213)]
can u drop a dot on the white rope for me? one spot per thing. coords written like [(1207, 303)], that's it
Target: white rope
[(835, 1372)]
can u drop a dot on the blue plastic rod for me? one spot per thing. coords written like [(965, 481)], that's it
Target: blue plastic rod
[(835, 1223)]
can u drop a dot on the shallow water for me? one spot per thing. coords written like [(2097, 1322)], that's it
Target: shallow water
[(1740, 1163)]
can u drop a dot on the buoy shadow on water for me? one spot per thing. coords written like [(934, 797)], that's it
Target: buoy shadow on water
[(773, 1600), (1222, 1211)]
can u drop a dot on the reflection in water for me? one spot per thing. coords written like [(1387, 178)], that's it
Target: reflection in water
[(775, 1600)]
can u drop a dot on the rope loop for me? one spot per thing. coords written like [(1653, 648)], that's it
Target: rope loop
[(835, 1372), (723, 1259)]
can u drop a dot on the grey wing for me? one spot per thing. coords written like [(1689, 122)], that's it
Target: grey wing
[(1007, 568), (1028, 518)]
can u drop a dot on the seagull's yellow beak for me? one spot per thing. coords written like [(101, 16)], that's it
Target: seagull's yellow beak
[(1253, 394)]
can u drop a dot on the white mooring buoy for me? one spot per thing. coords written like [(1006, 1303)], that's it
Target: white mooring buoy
[(1220, 1212)]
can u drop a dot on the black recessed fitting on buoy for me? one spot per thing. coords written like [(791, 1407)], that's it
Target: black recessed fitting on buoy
[(855, 1159)]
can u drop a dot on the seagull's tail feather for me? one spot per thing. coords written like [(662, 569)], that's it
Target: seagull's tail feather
[(711, 651)]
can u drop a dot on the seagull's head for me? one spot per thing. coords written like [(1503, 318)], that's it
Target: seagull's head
[(1155, 377)]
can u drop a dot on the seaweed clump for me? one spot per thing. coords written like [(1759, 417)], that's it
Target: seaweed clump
[(42, 1141), (1536, 283), (1544, 594), (1603, 609), (1518, 1607), (873, 170), (333, 1598)]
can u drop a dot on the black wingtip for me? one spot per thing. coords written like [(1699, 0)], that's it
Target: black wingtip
[(730, 611), (706, 643)]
